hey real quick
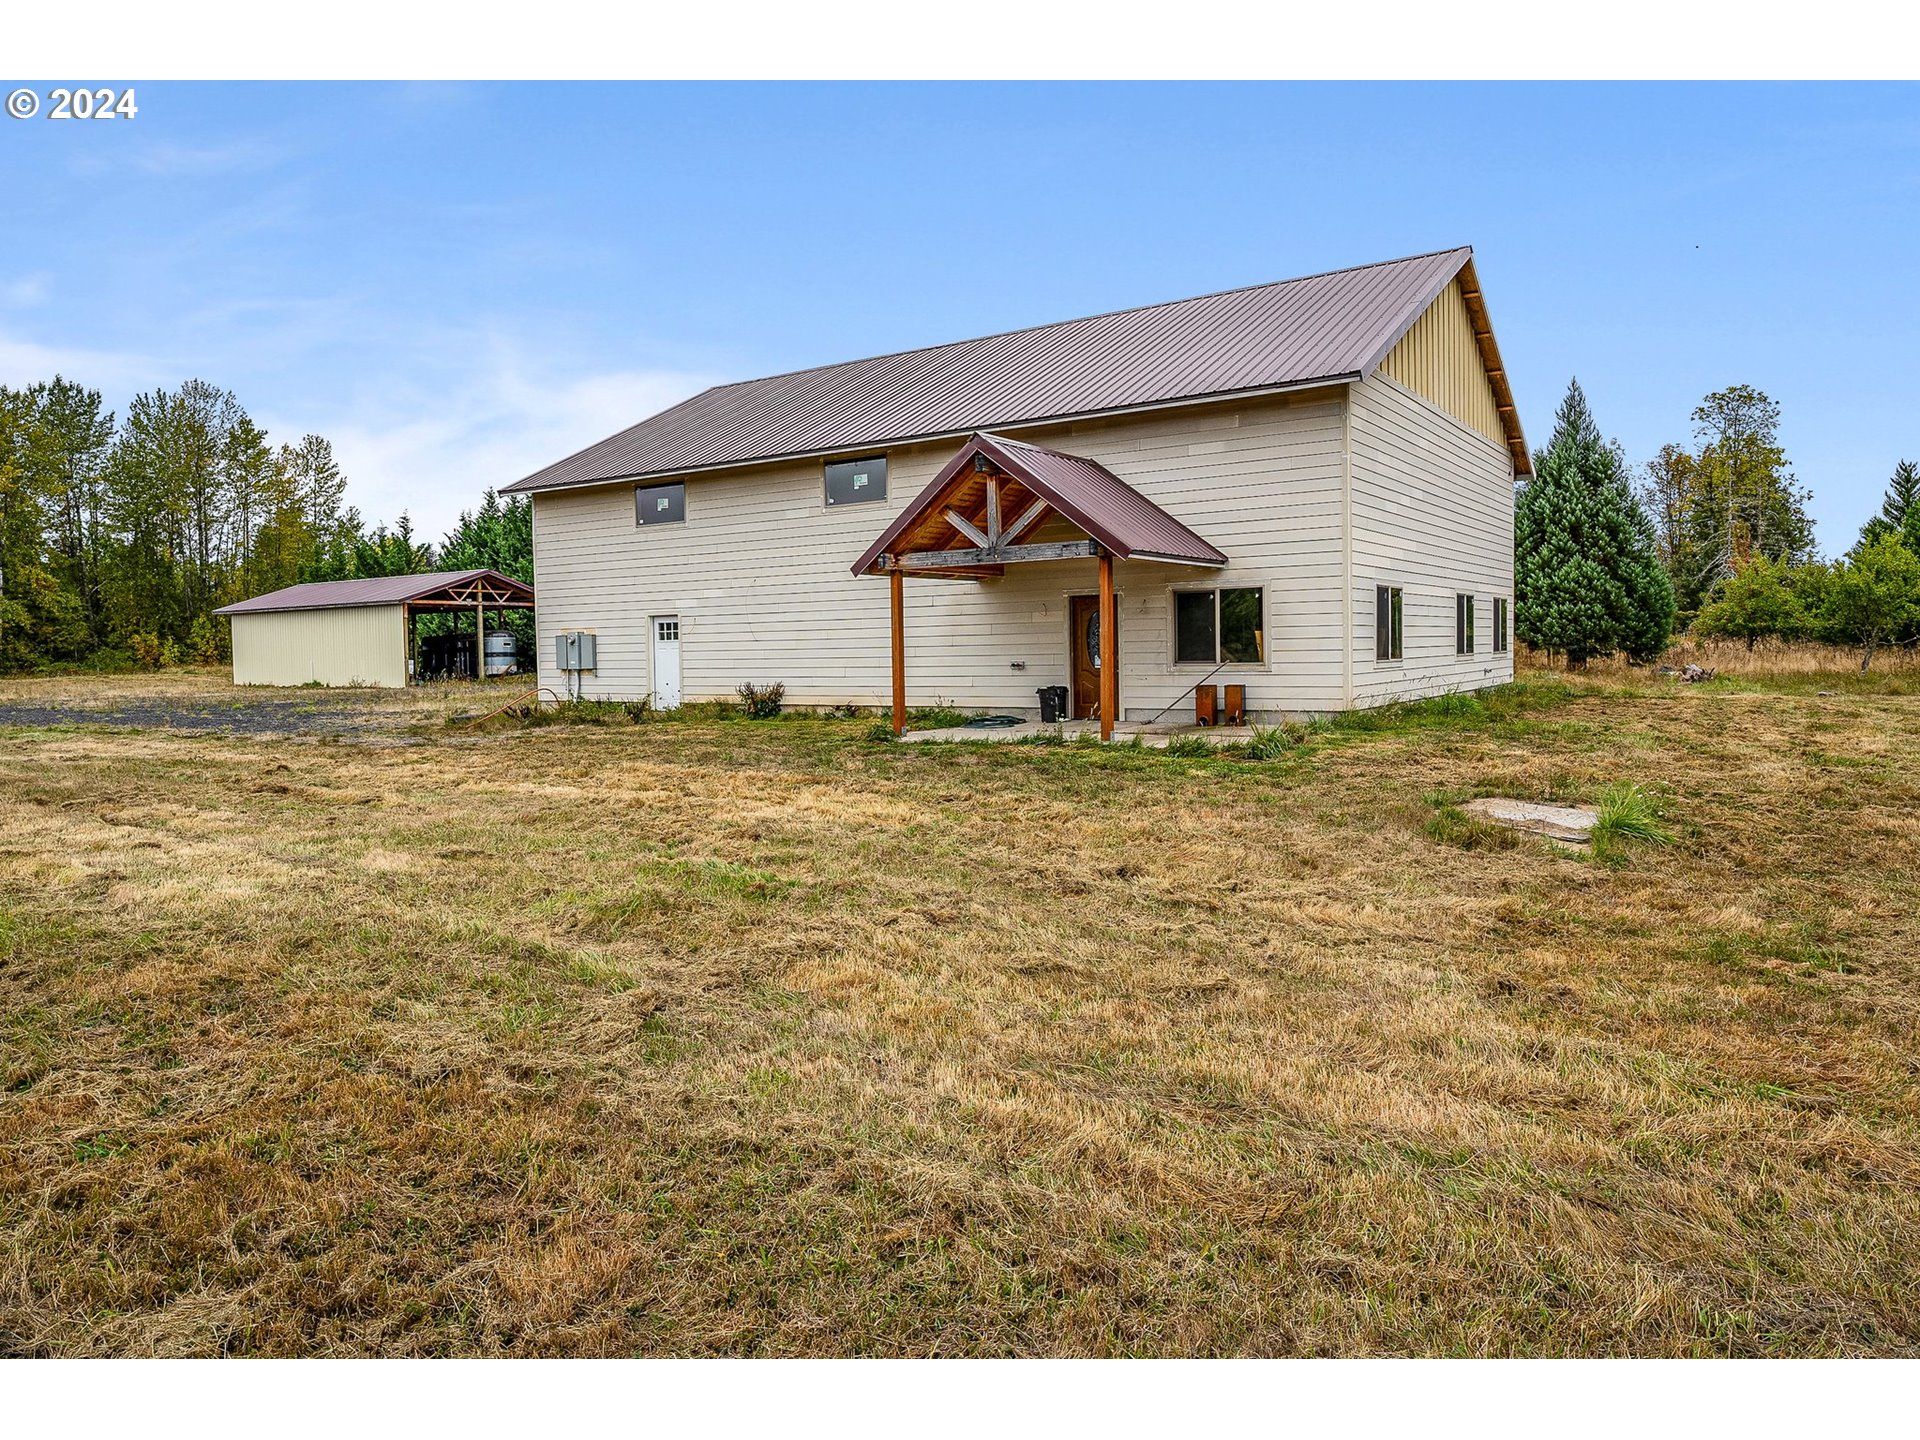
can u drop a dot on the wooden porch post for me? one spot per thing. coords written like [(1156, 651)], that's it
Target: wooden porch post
[(897, 585), (479, 635), (1109, 649)]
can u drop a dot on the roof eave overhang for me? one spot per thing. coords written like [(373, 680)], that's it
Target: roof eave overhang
[(1484, 341), (867, 447)]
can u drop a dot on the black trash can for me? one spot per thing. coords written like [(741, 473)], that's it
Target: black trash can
[(1053, 704)]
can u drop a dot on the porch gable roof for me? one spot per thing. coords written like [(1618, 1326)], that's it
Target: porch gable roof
[(1118, 518)]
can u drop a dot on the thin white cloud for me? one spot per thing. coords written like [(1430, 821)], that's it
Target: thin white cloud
[(26, 290), (117, 374), (168, 160), (432, 451)]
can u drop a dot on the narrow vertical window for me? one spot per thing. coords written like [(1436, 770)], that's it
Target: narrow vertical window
[(1463, 624), (1386, 622), (1500, 623)]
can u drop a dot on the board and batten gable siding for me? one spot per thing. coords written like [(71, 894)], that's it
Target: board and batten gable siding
[(759, 573), (1433, 514), (1439, 360), (355, 645)]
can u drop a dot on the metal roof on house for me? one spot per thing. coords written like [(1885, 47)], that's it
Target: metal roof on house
[(387, 590), (1328, 328), (1081, 491)]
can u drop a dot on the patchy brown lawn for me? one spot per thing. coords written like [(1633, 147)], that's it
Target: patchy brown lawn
[(716, 1037)]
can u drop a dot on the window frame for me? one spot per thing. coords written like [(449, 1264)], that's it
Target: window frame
[(1173, 625), (641, 523), (1389, 624), (1463, 636), (1501, 618), (826, 493)]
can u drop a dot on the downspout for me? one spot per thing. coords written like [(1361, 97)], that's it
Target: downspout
[(1346, 546)]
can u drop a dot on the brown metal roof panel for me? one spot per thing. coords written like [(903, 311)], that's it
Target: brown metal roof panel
[(1298, 331), (384, 590)]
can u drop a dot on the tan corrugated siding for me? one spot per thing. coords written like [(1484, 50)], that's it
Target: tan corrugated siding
[(361, 645), (1439, 360)]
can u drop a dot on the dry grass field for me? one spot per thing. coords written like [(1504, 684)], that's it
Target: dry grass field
[(710, 1036)]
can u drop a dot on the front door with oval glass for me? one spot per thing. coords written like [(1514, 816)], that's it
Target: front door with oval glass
[(666, 662), (1085, 660)]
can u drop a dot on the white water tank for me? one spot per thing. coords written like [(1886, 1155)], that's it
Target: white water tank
[(503, 652)]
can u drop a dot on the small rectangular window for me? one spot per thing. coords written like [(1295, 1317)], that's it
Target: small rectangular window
[(660, 504), (1463, 624), (1386, 622), (855, 482), (1195, 634), (1242, 632), (1219, 627), (1500, 624)]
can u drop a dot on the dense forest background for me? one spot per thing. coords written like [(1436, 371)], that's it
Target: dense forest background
[(119, 536)]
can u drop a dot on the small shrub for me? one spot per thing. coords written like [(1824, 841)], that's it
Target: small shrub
[(207, 642), (880, 732), (847, 711), (762, 702), (149, 651), (1628, 812)]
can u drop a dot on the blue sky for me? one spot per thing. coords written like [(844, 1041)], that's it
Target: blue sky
[(460, 283)]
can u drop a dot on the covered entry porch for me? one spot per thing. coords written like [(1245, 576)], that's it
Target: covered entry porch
[(1001, 502)]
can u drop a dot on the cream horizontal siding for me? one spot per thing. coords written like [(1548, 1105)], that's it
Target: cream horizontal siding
[(359, 645), (1432, 514), (759, 574)]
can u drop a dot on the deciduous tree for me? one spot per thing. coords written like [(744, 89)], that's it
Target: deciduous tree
[(1872, 598)]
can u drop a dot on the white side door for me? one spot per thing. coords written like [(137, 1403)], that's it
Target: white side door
[(666, 662)]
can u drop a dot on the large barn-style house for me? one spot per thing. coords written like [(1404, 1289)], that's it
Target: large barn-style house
[(1303, 490)]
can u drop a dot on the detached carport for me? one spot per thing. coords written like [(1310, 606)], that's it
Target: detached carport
[(359, 632)]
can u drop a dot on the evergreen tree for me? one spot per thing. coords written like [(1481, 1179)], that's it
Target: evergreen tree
[(1587, 580), (497, 536), (1899, 511)]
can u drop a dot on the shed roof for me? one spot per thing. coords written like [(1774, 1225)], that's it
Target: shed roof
[(387, 590), (1327, 328), (1082, 491)]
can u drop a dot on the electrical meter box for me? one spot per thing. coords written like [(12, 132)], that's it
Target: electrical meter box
[(573, 650)]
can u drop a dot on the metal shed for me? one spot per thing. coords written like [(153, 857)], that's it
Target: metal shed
[(359, 632)]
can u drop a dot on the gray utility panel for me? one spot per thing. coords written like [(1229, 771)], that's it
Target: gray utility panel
[(573, 650)]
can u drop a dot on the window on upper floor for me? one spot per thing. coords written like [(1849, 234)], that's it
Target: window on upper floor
[(855, 482), (660, 504)]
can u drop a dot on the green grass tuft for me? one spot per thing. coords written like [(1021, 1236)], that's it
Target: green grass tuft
[(1629, 812)]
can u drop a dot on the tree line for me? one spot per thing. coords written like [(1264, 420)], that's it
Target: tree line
[(1712, 538), (120, 536)]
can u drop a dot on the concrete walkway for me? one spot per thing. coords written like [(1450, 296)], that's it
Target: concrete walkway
[(1156, 735)]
